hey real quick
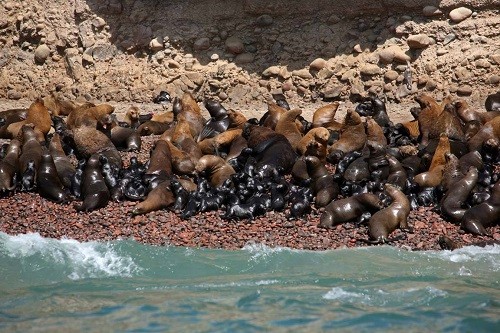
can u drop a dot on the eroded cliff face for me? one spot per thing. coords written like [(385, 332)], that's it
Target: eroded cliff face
[(245, 50)]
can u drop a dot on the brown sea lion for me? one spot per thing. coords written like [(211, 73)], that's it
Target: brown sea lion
[(236, 119), (286, 125), (160, 161), (124, 138), (10, 117), (352, 134), (237, 145), (64, 167), (165, 117), (31, 155), (89, 116), (428, 115), (95, 193), (59, 106), (89, 141), (451, 172), (271, 117), (182, 163), (319, 135), (48, 182), (442, 149), (216, 169), (348, 209), (448, 123), (325, 117), (152, 128), (324, 187), (220, 141), (412, 128), (133, 117), (397, 173), (9, 166), (454, 199), (39, 116), (374, 132), (490, 130), (160, 197), (191, 113), (484, 215), (431, 178), (386, 220)]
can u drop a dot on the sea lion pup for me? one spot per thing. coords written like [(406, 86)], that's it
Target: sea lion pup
[(374, 132), (89, 141), (160, 197), (191, 113), (48, 182), (31, 155), (397, 173), (95, 193), (9, 166), (319, 135), (375, 108), (443, 148), (455, 197), (182, 163), (89, 116), (219, 142), (151, 127), (124, 138), (429, 113), (352, 135), (325, 189), (65, 169), (39, 116), (325, 117), (218, 122), (236, 119), (349, 209), (386, 220), (160, 161), (216, 169), (270, 118), (133, 117), (487, 214), (286, 126), (490, 130), (492, 102)]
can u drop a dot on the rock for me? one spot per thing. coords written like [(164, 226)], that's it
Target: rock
[(214, 57), (42, 52), (419, 41), (391, 75), (482, 63), (459, 14), (430, 11), (73, 63), (264, 20), (449, 38), (234, 45), (103, 52), (302, 73), (244, 58), (14, 94), (202, 44), (495, 58), (332, 93), (156, 44), (324, 73), (493, 79), (369, 69), (270, 71), (318, 64), (86, 34), (393, 53), (431, 85), (357, 48), (464, 90), (441, 51), (99, 22)]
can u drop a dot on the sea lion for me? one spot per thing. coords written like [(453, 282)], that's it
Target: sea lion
[(325, 117), (446, 243), (442, 149), (9, 117), (490, 130), (385, 221), (219, 142), (162, 98), (492, 102), (64, 167), (236, 119), (271, 117), (31, 155), (182, 163), (218, 122), (286, 126), (325, 189), (455, 197), (451, 172), (352, 134), (319, 135), (9, 166), (397, 173), (431, 178), (348, 209), (39, 116), (48, 182), (160, 161), (89, 141), (374, 132), (123, 138), (429, 113), (476, 219), (95, 193), (191, 113), (216, 168), (134, 119), (159, 198), (89, 116), (58, 106), (472, 158), (152, 127), (448, 123)]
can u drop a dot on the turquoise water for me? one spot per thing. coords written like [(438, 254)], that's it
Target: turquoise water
[(49, 285)]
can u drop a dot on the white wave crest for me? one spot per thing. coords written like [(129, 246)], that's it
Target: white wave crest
[(337, 293), (78, 259), (488, 254)]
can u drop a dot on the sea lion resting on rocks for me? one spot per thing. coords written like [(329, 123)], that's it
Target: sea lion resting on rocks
[(95, 193), (484, 215), (38, 116), (348, 209), (31, 155), (217, 169), (89, 116), (48, 182), (455, 197), (158, 198), (8, 166), (324, 187), (64, 168)]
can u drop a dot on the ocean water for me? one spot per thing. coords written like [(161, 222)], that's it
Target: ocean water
[(49, 285)]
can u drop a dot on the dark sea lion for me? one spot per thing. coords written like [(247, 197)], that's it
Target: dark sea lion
[(160, 161), (64, 167), (490, 130), (349, 209), (123, 138), (218, 122), (385, 221), (492, 102), (31, 155), (9, 166), (379, 112), (89, 116), (484, 215), (325, 117), (160, 197), (286, 126), (446, 243), (237, 145), (318, 137), (271, 117), (95, 193), (397, 173), (451, 172), (48, 182), (216, 168), (324, 187), (162, 98), (352, 134), (152, 127), (472, 158), (454, 199), (357, 171)]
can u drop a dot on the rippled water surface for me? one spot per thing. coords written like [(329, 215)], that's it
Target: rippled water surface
[(122, 286)]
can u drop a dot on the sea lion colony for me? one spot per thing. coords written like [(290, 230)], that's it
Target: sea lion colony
[(363, 169)]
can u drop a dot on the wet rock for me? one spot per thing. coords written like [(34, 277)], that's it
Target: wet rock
[(264, 20), (459, 14), (234, 45), (42, 52)]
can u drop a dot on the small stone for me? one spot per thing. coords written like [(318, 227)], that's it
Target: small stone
[(14, 94), (271, 71), (202, 44), (430, 11), (214, 57), (431, 85), (449, 38), (419, 41), (493, 79), (369, 69), (302, 73), (222, 95), (495, 58), (333, 19), (41, 53), (99, 23), (156, 44), (482, 63), (391, 75), (459, 14), (264, 20), (234, 45), (357, 48), (244, 58), (393, 53), (465, 90), (318, 64), (441, 51)]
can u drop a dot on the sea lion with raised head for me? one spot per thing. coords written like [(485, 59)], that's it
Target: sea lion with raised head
[(487, 214), (216, 169), (324, 187), (160, 161), (349, 209), (325, 117), (286, 125), (94, 191), (316, 137), (64, 167), (352, 134), (31, 155), (89, 116), (48, 182), (454, 199), (9, 166)]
